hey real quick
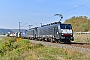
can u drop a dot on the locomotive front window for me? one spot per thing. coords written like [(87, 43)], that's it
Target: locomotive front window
[(66, 26)]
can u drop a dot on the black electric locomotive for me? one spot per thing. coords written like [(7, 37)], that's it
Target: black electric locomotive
[(54, 32)]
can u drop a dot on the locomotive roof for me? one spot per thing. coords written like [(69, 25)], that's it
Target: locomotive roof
[(55, 23), (51, 24)]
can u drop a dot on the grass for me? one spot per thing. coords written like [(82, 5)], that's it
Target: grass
[(25, 50), (82, 38)]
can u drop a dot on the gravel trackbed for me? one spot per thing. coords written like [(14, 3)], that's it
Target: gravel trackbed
[(65, 46)]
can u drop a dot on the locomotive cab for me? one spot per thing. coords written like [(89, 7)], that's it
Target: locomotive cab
[(66, 32)]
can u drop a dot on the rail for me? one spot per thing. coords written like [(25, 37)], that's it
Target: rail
[(81, 32)]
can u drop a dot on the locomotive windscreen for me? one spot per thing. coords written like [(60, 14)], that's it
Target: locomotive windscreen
[(66, 26)]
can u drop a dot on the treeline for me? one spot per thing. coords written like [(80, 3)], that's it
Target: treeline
[(79, 23)]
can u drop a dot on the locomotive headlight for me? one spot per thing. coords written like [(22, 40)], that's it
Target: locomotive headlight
[(71, 34), (62, 34)]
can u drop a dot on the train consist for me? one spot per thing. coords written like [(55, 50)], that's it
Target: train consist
[(54, 32)]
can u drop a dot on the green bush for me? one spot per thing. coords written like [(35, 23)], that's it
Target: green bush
[(25, 50)]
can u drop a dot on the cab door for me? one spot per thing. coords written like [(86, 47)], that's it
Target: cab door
[(56, 33)]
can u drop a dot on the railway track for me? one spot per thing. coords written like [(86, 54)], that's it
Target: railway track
[(81, 47)]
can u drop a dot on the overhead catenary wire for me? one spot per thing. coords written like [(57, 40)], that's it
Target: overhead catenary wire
[(86, 13), (53, 15), (70, 10), (76, 7)]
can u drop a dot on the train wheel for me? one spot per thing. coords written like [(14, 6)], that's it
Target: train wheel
[(51, 40), (59, 41), (47, 39), (56, 41)]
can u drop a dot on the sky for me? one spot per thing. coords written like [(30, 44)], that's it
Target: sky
[(34, 12)]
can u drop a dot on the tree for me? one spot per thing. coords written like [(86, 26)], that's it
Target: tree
[(79, 23)]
